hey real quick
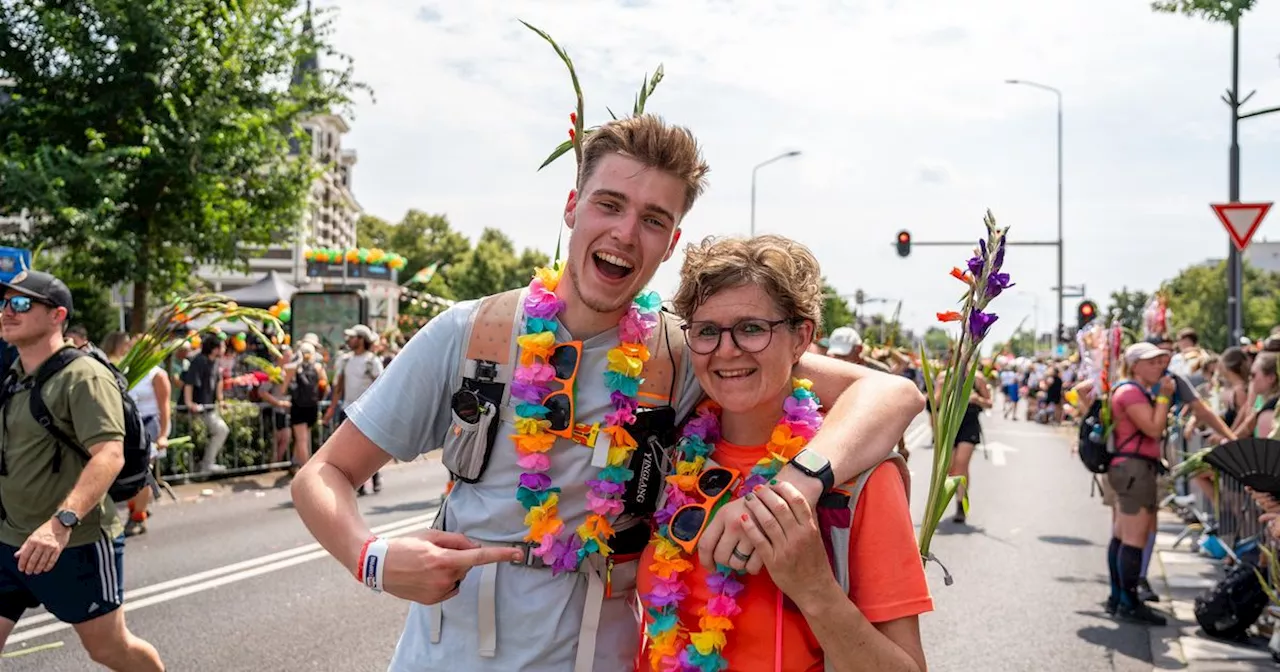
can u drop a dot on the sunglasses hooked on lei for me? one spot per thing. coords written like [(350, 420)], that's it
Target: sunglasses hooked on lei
[(673, 647), (531, 385)]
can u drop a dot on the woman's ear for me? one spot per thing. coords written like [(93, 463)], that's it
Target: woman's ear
[(804, 336)]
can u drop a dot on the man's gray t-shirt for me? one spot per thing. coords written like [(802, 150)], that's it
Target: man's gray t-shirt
[(406, 413)]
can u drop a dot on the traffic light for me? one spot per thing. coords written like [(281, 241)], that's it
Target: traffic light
[(1085, 312), (904, 243)]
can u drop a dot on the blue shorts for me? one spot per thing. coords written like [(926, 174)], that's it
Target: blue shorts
[(85, 583), (1011, 391)]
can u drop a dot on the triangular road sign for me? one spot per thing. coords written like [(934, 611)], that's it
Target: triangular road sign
[(1241, 220)]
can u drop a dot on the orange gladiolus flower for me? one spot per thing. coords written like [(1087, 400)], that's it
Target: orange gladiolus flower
[(962, 276), (950, 316)]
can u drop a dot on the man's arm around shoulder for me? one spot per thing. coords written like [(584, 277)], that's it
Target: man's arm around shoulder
[(867, 412)]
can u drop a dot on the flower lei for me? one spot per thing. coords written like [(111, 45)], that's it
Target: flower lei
[(673, 648), (530, 386)]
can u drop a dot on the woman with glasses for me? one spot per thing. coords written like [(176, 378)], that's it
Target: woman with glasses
[(751, 308)]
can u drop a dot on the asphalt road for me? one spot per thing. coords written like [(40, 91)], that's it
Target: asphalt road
[(1029, 566), (234, 582)]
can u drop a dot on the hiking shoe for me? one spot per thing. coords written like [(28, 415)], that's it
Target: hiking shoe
[(1145, 593), (1111, 604), (377, 482), (361, 491), (135, 527), (1141, 613)]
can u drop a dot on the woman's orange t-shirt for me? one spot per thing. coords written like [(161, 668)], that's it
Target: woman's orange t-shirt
[(886, 578)]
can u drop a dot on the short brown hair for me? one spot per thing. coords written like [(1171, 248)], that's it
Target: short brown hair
[(650, 140), (785, 269), (1189, 334)]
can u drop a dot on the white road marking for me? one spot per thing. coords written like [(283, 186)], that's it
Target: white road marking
[(220, 576), (998, 451), (917, 436)]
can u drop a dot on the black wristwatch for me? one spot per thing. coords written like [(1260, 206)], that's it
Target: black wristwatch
[(67, 518), (815, 465)]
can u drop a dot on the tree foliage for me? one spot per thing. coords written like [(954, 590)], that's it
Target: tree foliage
[(152, 136), (1213, 10), (835, 310), (1128, 307), (1198, 298), (1023, 343), (936, 341)]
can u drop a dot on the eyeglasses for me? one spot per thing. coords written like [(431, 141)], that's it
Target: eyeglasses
[(750, 335), (18, 304), (690, 520), (560, 407)]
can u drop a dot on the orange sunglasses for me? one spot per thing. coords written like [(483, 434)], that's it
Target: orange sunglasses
[(690, 520), (560, 407)]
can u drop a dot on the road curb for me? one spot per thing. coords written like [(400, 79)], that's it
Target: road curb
[(1178, 576)]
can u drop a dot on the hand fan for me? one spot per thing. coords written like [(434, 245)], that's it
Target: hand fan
[(1253, 462)]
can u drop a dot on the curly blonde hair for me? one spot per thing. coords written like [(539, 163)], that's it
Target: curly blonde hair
[(785, 269)]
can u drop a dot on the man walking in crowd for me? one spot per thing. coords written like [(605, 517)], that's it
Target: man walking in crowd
[(61, 541), (356, 371), (638, 179), (202, 394)]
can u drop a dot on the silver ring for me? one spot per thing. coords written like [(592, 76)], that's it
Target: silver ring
[(745, 558)]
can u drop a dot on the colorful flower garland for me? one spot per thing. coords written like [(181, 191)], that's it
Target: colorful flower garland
[(531, 385), (673, 648)]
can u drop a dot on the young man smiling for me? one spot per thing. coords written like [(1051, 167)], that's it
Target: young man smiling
[(639, 178)]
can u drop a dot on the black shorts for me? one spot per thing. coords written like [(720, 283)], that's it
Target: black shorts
[(85, 583), (304, 415), (275, 419), (970, 429)]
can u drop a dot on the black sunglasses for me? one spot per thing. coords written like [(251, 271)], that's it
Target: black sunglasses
[(20, 304)]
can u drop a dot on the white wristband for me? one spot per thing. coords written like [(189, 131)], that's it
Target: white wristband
[(374, 562)]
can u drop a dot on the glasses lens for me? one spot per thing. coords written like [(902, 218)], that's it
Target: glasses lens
[(559, 410), (687, 523), (20, 304), (565, 361), (714, 481), (752, 335), (703, 337)]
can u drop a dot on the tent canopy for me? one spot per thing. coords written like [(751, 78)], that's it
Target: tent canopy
[(264, 293)]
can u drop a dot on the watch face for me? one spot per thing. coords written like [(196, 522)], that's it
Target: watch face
[(68, 519), (810, 461)]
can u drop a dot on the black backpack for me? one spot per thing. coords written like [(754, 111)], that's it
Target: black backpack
[(1233, 604), (306, 392), (136, 472), (1096, 447)]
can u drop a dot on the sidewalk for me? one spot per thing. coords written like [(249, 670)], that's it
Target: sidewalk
[(196, 491), (1179, 576)]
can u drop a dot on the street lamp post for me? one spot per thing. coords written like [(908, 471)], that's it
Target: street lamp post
[(753, 183), (1057, 334)]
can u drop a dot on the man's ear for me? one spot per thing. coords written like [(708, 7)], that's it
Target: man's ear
[(675, 240), (570, 207)]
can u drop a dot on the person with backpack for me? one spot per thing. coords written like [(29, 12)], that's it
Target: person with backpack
[(356, 370), (304, 379), (750, 308), (61, 540), (554, 407)]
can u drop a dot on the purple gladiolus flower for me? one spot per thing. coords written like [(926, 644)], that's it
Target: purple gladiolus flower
[(980, 322), (999, 258), (997, 282)]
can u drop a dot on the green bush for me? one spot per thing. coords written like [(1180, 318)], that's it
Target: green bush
[(249, 443)]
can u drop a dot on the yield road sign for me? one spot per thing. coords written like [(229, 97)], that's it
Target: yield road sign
[(1241, 220)]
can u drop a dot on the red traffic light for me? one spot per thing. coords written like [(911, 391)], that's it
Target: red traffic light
[(1086, 309), (904, 243), (1086, 312), (904, 237)]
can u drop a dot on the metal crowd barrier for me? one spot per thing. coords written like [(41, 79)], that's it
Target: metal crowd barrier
[(1232, 508), (249, 448)]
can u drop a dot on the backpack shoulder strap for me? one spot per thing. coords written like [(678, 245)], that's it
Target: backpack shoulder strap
[(662, 373), (845, 498), (490, 336), (40, 410)]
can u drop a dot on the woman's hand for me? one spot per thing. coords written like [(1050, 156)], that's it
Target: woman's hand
[(786, 537)]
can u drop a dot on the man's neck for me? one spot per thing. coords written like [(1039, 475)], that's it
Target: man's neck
[(580, 320), (32, 356)]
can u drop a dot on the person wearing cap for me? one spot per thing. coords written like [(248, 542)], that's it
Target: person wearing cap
[(356, 370), (1140, 419), (305, 379), (61, 540)]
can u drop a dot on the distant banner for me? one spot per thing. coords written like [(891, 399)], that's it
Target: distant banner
[(322, 269), (423, 276)]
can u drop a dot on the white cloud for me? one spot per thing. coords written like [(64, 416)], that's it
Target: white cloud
[(877, 97)]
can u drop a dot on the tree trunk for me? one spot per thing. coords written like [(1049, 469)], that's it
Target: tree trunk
[(138, 317)]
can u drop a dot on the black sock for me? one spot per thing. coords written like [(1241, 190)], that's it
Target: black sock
[(1130, 571), (1113, 567)]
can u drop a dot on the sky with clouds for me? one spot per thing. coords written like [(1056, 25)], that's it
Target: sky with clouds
[(899, 108)]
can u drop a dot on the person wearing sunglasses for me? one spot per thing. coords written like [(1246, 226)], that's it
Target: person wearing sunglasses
[(61, 539), (751, 307)]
